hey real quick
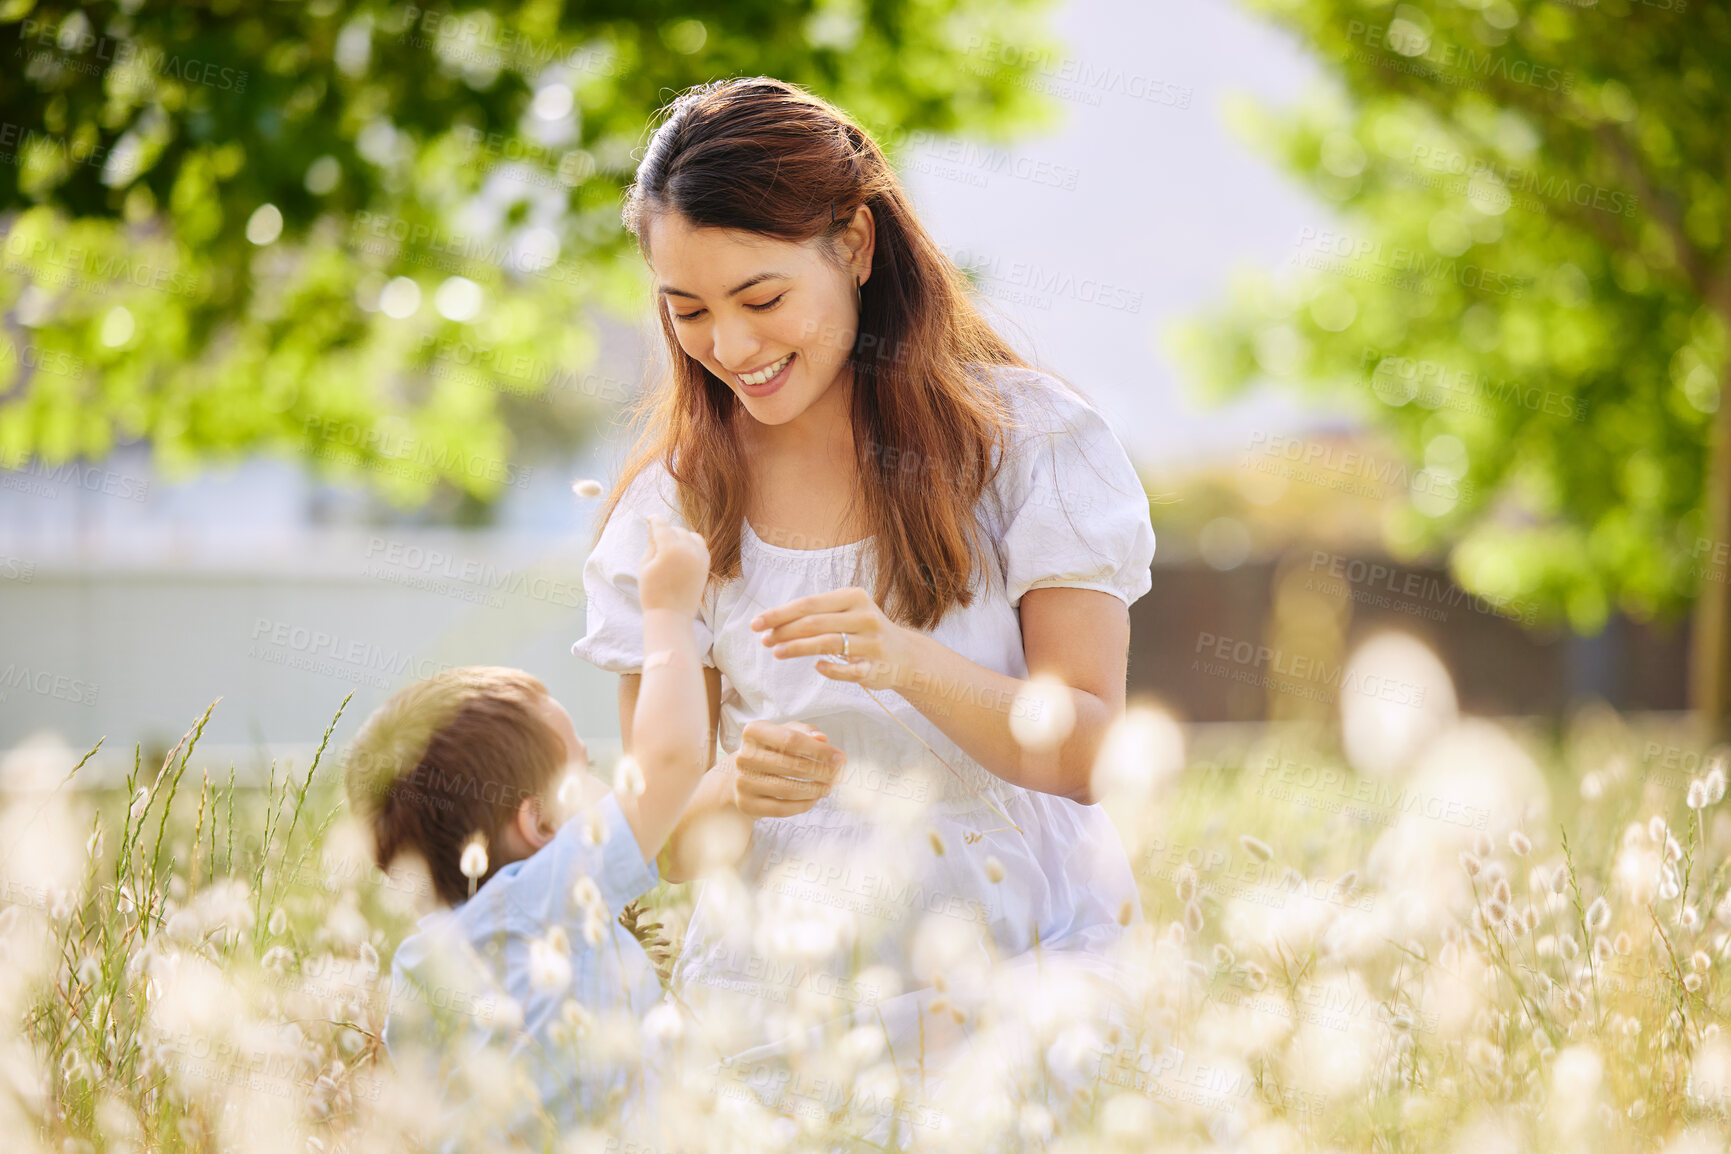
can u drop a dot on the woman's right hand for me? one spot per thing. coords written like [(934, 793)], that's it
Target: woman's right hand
[(782, 770)]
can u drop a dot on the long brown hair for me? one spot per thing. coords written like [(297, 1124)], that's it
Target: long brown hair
[(763, 156)]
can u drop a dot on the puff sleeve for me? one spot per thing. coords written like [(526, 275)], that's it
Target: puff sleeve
[(614, 637), (1074, 511)]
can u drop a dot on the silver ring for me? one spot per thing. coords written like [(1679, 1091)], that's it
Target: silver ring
[(844, 654)]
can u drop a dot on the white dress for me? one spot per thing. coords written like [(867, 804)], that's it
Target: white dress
[(850, 904)]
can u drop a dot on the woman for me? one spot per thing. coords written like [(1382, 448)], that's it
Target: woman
[(884, 485)]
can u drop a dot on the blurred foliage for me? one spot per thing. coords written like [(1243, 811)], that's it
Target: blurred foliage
[(347, 231), (1528, 287)]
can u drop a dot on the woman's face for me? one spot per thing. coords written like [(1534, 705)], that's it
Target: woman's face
[(773, 319)]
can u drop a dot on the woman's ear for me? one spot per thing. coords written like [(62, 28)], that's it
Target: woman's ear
[(859, 241)]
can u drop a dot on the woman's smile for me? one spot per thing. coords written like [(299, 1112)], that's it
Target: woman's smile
[(768, 379)]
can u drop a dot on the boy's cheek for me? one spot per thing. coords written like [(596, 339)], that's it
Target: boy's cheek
[(577, 791)]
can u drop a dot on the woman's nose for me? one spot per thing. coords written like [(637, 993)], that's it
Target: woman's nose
[(736, 345)]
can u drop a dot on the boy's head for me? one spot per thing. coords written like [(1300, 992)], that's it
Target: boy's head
[(476, 751)]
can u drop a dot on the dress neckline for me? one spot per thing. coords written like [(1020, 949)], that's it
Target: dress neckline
[(750, 535)]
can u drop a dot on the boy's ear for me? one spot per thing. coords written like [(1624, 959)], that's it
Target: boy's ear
[(533, 823)]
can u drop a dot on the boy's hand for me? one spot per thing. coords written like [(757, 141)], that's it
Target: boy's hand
[(783, 770), (674, 569)]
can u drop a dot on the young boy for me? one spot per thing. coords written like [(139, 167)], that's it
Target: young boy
[(466, 771)]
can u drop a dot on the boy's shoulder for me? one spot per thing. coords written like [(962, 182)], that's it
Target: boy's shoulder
[(532, 893), (444, 984)]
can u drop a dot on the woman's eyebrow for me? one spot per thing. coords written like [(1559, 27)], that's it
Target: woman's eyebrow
[(668, 290)]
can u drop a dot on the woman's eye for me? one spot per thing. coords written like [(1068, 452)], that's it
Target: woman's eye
[(767, 305), (691, 316)]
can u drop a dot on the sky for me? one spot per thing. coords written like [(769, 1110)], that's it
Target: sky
[(1134, 213)]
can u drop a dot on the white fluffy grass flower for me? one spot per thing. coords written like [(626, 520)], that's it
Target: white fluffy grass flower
[(550, 961), (587, 894), (628, 777), (473, 863)]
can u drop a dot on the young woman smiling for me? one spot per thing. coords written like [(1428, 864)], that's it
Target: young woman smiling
[(877, 475)]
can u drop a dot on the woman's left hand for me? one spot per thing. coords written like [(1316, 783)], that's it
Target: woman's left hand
[(881, 651)]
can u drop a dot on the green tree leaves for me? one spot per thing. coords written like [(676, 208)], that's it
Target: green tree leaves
[(349, 231), (1530, 286)]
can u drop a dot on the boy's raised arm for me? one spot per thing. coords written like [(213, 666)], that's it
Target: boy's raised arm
[(669, 731)]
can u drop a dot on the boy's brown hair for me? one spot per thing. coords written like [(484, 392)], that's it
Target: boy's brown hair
[(449, 757)]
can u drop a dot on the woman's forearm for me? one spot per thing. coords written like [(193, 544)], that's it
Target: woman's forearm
[(711, 803), (971, 705)]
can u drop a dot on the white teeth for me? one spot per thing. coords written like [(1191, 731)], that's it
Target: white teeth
[(763, 376)]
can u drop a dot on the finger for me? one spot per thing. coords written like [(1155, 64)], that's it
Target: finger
[(811, 758), (832, 625), (771, 807), (824, 645), (767, 739), (776, 787), (783, 764), (801, 757), (834, 601)]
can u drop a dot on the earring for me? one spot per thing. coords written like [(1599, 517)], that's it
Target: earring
[(859, 293)]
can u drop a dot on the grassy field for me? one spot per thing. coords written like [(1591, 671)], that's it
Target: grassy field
[(1507, 941)]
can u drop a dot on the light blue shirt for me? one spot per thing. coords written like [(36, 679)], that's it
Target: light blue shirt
[(464, 978)]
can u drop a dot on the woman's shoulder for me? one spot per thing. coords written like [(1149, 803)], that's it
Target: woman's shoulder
[(1042, 404), (1048, 416), (651, 489)]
